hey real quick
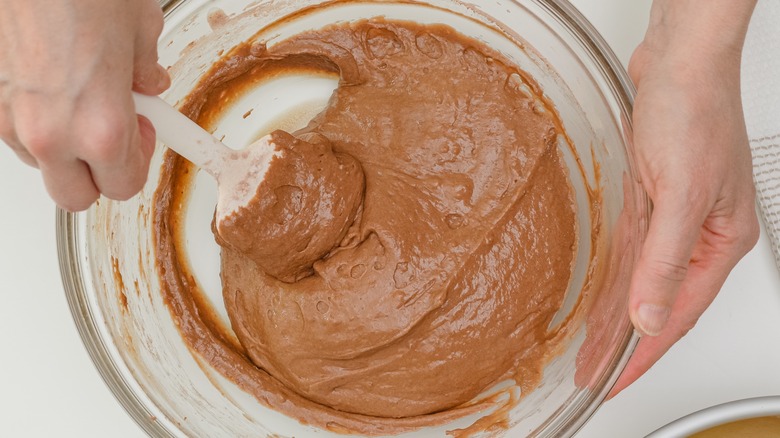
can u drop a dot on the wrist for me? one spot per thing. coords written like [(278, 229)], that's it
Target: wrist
[(699, 29)]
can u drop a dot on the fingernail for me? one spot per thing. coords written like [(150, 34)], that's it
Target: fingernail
[(652, 319)]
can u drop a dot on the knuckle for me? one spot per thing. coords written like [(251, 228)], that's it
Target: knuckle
[(740, 231), (668, 271), (43, 141), (106, 142)]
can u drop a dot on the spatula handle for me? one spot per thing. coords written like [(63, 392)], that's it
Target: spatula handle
[(181, 134)]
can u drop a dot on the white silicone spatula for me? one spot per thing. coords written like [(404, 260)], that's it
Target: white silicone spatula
[(238, 172)]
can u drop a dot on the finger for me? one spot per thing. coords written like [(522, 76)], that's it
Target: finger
[(116, 150), (8, 136), (704, 281), (637, 64), (663, 264), (149, 77), (49, 141), (21, 153), (69, 183), (148, 136)]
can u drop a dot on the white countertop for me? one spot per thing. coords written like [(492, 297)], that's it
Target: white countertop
[(49, 387)]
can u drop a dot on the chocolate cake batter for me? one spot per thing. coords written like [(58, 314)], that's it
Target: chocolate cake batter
[(408, 250)]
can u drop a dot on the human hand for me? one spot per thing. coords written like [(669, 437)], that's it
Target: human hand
[(695, 163), (67, 68)]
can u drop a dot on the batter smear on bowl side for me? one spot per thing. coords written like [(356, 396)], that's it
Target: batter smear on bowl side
[(410, 247)]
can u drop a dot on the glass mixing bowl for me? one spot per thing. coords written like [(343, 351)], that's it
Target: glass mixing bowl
[(108, 261)]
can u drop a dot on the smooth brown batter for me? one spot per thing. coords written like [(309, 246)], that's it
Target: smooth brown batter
[(306, 202), (445, 233)]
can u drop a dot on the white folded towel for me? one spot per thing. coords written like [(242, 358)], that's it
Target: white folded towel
[(761, 99)]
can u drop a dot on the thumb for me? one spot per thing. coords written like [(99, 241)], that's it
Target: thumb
[(149, 77), (663, 265)]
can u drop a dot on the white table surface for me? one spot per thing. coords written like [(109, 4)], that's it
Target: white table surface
[(49, 387)]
